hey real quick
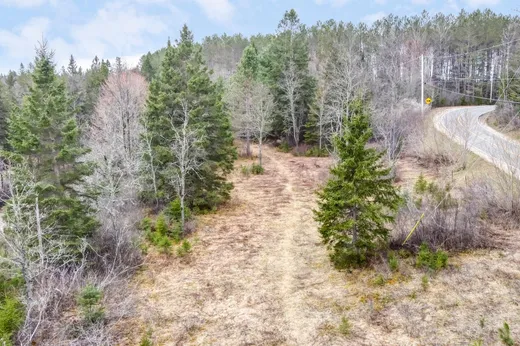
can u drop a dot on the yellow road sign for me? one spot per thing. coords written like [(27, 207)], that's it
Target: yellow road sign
[(428, 101)]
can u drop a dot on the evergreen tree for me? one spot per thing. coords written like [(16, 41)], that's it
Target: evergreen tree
[(11, 79), (289, 49), (358, 202), (241, 94), (184, 82), (96, 76), (146, 66), (72, 68), (43, 135), (4, 110)]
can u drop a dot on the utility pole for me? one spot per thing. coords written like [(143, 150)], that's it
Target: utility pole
[(492, 77), (422, 84)]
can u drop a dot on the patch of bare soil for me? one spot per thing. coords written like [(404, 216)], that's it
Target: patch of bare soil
[(259, 275)]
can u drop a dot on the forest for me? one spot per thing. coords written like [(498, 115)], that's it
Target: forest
[(101, 168)]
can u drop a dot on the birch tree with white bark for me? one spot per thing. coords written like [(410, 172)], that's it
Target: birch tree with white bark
[(262, 115), (291, 84), (188, 155)]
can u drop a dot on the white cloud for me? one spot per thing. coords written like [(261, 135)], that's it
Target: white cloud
[(481, 3), (117, 26), (380, 2), (451, 5), (374, 17), (27, 3), (18, 43), (333, 3), (120, 28), (220, 11), (421, 2)]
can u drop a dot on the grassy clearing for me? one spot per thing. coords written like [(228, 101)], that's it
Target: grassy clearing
[(260, 275)]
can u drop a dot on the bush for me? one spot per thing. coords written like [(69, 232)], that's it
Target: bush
[(432, 260), (184, 249), (257, 169), (379, 280), (345, 326), (11, 317), (174, 211), (246, 170), (448, 222), (425, 282), (89, 301), (284, 147), (146, 224), (393, 262), (161, 226), (163, 243), (505, 335), (316, 152), (146, 340)]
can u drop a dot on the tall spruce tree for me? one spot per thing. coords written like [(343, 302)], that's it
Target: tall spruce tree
[(43, 135), (184, 81), (4, 110), (359, 200)]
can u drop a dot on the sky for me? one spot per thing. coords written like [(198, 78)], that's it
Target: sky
[(130, 28)]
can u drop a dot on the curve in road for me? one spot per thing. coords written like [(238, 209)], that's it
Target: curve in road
[(466, 126)]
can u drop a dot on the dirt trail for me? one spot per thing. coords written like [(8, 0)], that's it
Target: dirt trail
[(259, 274)]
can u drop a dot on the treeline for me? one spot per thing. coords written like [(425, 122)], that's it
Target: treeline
[(96, 167), (471, 58), (95, 161)]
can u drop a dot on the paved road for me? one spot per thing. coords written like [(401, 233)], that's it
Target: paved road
[(466, 126)]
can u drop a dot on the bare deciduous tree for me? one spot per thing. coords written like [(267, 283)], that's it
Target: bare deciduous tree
[(262, 115), (239, 98), (115, 148), (187, 155), (291, 85)]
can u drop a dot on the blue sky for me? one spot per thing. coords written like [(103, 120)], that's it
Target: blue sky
[(129, 28)]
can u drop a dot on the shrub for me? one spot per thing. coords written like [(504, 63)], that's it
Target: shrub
[(425, 282), (184, 249), (433, 260), (246, 171), (257, 169), (345, 326), (393, 262), (448, 222), (146, 340), (161, 226), (379, 280), (89, 301), (316, 152), (146, 224), (477, 342), (284, 147), (174, 211), (505, 335), (163, 243), (11, 317)]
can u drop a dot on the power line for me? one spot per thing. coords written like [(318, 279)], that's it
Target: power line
[(472, 96)]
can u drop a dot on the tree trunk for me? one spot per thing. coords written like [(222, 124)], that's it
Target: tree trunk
[(260, 150)]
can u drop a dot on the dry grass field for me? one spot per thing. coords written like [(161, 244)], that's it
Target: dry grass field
[(259, 275)]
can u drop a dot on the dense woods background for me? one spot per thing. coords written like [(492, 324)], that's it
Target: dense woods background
[(91, 157)]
